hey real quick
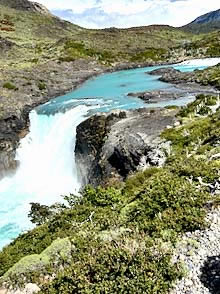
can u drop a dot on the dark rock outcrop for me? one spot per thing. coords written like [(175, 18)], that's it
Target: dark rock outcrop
[(111, 146), (164, 70), (208, 77), (172, 75), (5, 44), (12, 128)]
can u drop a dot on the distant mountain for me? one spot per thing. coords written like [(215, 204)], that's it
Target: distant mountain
[(205, 23), (208, 17)]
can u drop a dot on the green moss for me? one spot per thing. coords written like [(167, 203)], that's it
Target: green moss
[(56, 253)]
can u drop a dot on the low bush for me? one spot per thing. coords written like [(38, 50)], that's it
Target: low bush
[(42, 86), (9, 86)]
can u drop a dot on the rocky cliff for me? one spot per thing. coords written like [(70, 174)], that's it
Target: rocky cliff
[(111, 146)]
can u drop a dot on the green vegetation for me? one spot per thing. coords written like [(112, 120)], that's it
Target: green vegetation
[(58, 252), (201, 106), (113, 267), (73, 50), (171, 107), (42, 86), (204, 44), (209, 76), (48, 38), (150, 54), (9, 86), (122, 236)]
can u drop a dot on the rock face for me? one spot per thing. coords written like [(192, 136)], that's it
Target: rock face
[(5, 44), (111, 146), (12, 128), (25, 5), (163, 70)]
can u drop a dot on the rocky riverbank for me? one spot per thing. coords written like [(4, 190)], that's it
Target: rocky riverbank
[(206, 77), (182, 85), (111, 146)]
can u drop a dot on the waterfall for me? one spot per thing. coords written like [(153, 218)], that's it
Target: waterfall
[(47, 169)]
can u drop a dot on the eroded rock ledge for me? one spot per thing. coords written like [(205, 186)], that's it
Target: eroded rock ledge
[(111, 146)]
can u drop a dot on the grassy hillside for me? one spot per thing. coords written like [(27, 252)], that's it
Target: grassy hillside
[(42, 37), (28, 38), (29, 35), (205, 44), (198, 28)]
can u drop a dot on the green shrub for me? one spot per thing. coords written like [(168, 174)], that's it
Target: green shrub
[(205, 110), (9, 86), (211, 100), (42, 86), (149, 53), (125, 266), (67, 59), (171, 107), (163, 203)]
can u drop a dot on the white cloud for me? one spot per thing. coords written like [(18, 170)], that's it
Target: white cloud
[(126, 13)]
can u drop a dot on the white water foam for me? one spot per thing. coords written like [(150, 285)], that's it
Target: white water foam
[(47, 169), (201, 62)]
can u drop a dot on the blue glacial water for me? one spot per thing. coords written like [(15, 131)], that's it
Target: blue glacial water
[(47, 166)]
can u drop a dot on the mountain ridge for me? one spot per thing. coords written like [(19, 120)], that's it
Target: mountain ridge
[(205, 23), (211, 16)]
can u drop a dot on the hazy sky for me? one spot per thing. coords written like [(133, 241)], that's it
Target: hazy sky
[(127, 13)]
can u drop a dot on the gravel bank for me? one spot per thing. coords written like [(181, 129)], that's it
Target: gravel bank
[(200, 253)]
